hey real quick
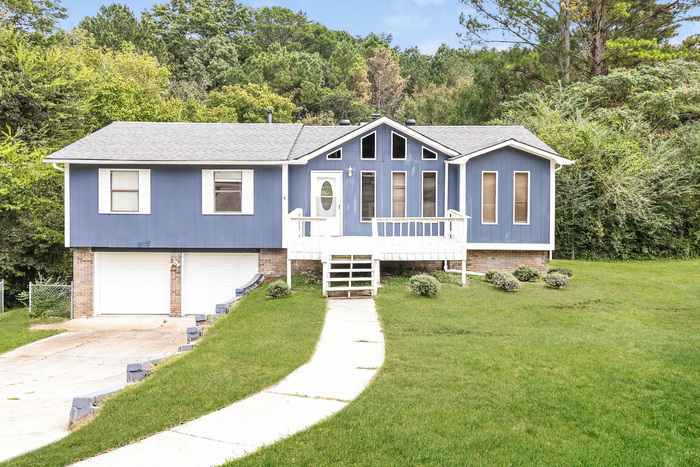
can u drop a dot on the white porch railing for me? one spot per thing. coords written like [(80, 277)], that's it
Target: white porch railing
[(451, 227)]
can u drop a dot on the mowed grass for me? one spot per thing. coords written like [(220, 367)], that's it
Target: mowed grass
[(256, 345), (603, 372), (15, 332)]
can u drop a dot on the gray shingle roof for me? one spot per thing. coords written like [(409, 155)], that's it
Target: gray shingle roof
[(222, 142), (141, 141)]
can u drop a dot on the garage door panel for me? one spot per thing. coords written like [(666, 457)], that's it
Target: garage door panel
[(132, 283), (211, 278)]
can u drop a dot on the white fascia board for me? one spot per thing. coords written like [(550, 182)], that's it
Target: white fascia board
[(66, 205), (511, 246), (113, 162), (370, 126), (462, 159)]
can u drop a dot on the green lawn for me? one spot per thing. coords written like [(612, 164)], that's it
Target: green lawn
[(15, 332), (603, 372), (256, 345)]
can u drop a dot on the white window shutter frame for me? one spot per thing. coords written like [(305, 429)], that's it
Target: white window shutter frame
[(144, 191), (207, 192), (248, 195), (104, 191)]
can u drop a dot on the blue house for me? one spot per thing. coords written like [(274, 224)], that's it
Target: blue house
[(170, 218)]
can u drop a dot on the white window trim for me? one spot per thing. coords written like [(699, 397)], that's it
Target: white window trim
[(422, 207), (247, 193), (392, 192), (528, 196), (375, 147), (405, 147), (375, 194), (104, 197), (333, 152), (423, 149), (482, 197)]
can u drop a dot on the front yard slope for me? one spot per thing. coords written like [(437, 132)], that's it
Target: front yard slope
[(256, 345), (603, 372)]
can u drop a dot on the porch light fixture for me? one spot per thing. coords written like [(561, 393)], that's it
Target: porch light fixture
[(350, 171)]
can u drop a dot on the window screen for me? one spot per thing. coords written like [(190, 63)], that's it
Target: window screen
[(429, 194), (521, 201), (488, 200), (368, 194), (368, 146), (125, 190), (398, 194), (228, 191)]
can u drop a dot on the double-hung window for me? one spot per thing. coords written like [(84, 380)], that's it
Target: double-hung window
[(227, 192), (521, 198), (429, 194), (489, 197), (367, 196), (398, 194), (124, 191)]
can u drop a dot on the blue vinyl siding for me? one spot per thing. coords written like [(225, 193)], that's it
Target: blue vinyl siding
[(383, 165), (176, 219), (506, 161)]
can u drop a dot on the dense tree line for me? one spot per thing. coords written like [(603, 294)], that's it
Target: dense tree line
[(598, 80)]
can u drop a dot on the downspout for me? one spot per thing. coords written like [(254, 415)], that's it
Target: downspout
[(55, 166)]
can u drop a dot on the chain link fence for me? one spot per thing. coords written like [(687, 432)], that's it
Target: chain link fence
[(50, 300)]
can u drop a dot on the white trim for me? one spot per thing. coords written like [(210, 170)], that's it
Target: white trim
[(66, 205), (552, 200), (463, 158), (528, 196), (422, 207), (463, 189), (184, 162), (340, 150), (424, 148), (446, 193), (285, 203), (482, 197), (510, 246), (375, 195), (338, 175), (405, 147), (405, 206), (247, 193), (369, 126), (104, 191), (375, 147), (96, 279), (207, 192)]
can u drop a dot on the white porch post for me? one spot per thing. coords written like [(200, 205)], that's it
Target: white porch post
[(463, 188), (289, 273), (285, 203)]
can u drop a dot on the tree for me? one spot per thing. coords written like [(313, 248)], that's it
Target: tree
[(387, 83), (31, 18), (244, 103)]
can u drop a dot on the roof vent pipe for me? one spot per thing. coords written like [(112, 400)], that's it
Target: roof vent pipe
[(269, 115), (376, 116), (410, 122), (344, 122)]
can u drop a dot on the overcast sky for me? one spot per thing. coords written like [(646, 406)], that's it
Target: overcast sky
[(425, 23)]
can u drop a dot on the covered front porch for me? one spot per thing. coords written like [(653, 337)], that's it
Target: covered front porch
[(351, 263)]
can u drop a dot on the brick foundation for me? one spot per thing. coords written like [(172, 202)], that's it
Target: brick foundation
[(272, 262), (83, 282), (175, 285), (483, 260)]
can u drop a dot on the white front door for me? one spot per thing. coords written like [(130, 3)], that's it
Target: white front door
[(327, 200)]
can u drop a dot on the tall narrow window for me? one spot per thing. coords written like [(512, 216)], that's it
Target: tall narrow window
[(398, 194), (228, 191), (125, 190), (368, 196), (368, 146), (398, 146), (522, 198), (489, 197), (429, 194)]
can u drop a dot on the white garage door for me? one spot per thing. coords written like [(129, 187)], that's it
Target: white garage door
[(132, 283), (211, 278)]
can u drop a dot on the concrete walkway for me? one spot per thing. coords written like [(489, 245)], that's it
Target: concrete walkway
[(38, 381), (347, 357)]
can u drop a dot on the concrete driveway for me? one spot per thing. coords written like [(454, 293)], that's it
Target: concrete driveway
[(38, 381)]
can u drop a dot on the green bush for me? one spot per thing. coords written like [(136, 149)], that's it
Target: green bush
[(499, 276), (491, 272), (566, 272), (556, 280), (526, 273), (424, 285), (278, 289), (505, 280)]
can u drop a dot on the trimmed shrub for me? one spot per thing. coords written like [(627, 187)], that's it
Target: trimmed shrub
[(491, 272), (566, 272), (510, 283), (556, 280), (424, 285), (526, 273), (278, 289), (499, 276)]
